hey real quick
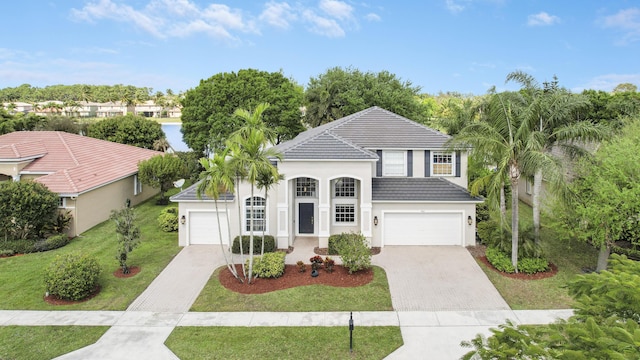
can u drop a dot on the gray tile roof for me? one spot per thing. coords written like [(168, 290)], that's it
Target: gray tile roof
[(190, 194), (324, 145), (419, 189), (373, 129)]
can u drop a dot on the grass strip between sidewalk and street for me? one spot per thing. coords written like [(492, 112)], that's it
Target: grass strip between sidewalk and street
[(265, 343), (45, 342)]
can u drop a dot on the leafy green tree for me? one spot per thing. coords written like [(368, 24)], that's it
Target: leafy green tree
[(506, 140), (19, 122), (161, 171), (129, 129), (251, 157), (340, 92), (605, 325), (207, 112), (552, 109), (26, 208), (605, 195), (217, 179), (625, 87), (128, 235)]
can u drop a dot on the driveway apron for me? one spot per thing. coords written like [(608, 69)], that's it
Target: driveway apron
[(437, 278)]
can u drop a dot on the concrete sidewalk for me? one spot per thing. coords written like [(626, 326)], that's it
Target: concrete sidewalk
[(141, 334)]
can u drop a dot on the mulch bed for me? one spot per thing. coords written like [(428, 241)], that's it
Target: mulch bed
[(133, 271), (478, 252), (340, 277), (54, 300)]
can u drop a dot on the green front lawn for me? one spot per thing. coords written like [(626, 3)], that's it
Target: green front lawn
[(571, 258), (374, 296), (283, 342), (22, 276), (45, 342)]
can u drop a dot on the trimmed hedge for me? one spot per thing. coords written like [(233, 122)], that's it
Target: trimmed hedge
[(72, 276), (271, 265), (168, 219), (269, 244), (52, 242), (336, 240), (17, 246), (502, 262)]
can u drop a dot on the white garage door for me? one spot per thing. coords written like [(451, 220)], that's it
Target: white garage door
[(422, 229), (203, 228)]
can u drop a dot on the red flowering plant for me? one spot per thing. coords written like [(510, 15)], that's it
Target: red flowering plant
[(316, 262), (328, 264)]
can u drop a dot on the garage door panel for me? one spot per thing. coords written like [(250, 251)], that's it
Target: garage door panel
[(203, 228), (422, 229)]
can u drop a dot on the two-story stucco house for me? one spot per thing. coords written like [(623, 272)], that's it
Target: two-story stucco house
[(372, 172)]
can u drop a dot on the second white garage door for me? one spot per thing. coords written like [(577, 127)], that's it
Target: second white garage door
[(422, 229), (203, 228)]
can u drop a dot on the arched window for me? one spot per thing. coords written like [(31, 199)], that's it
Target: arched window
[(259, 214)]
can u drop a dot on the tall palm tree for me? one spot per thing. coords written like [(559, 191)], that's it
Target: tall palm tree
[(265, 181), (508, 142), (217, 179), (553, 110), (251, 158)]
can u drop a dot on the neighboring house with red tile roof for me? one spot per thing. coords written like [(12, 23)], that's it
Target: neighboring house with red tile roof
[(91, 176)]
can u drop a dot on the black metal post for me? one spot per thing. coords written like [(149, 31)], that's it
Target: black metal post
[(351, 332)]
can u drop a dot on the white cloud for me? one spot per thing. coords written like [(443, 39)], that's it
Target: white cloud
[(337, 9), (542, 19), (106, 9), (278, 15), (323, 26), (608, 82), (628, 21), (454, 7), (182, 18), (373, 17)]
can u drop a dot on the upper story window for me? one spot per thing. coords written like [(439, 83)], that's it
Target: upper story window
[(394, 163), (344, 187), (442, 164), (305, 187)]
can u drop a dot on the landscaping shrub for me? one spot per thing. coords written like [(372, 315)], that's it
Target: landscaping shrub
[(533, 265), (269, 244), (72, 276), (4, 252), (18, 246), (500, 260), (336, 240), (271, 265), (492, 235), (168, 219), (59, 223), (631, 253), (354, 252), (27, 206), (52, 242)]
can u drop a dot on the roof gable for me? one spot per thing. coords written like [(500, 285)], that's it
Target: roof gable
[(370, 129)]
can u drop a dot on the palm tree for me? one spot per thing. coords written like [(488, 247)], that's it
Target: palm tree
[(265, 181), (251, 159), (216, 179), (552, 109), (507, 141)]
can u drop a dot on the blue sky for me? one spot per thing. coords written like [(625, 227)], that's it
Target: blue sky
[(440, 45)]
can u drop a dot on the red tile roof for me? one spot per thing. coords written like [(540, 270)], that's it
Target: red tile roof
[(72, 163)]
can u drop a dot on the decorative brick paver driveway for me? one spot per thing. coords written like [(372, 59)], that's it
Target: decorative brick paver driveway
[(437, 278)]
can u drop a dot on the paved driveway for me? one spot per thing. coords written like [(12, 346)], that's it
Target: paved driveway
[(437, 278)]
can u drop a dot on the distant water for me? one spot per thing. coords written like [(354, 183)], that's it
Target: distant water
[(174, 136)]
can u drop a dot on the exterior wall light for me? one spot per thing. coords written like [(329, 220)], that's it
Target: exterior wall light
[(183, 220), (375, 221), (469, 220)]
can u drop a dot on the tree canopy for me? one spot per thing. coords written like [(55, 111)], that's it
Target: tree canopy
[(605, 195), (340, 92), (26, 207), (129, 129), (161, 171), (207, 113)]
